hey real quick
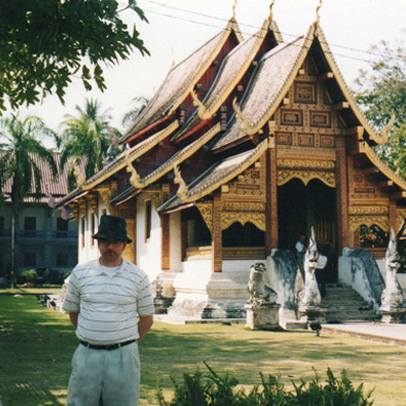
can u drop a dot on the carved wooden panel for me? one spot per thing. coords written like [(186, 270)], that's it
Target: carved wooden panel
[(292, 117), (249, 185), (284, 138), (367, 220), (327, 141), (320, 119), (305, 92), (305, 140)]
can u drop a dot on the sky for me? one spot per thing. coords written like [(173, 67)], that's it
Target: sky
[(178, 27)]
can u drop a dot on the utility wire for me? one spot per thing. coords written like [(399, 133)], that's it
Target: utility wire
[(223, 20)]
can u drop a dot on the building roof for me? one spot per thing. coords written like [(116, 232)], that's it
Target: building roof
[(266, 89), (55, 187), (232, 70), (216, 176), (270, 83), (181, 79)]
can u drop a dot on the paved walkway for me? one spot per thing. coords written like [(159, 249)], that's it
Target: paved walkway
[(378, 332)]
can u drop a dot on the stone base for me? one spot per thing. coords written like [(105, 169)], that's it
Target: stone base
[(263, 316), (313, 313), (394, 315)]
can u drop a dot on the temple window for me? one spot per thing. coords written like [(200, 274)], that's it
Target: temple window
[(247, 235), (372, 237), (148, 220), (196, 232)]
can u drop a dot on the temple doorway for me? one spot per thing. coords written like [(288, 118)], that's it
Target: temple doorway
[(300, 207)]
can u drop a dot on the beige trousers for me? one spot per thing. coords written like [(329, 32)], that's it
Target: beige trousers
[(107, 378)]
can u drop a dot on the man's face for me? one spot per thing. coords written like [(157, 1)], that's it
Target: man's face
[(111, 251)]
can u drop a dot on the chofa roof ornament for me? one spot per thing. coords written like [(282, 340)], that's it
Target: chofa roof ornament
[(388, 127), (317, 19), (270, 17)]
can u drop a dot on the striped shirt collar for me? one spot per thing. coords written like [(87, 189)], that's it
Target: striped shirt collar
[(120, 270)]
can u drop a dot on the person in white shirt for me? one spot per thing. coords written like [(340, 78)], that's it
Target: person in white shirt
[(104, 299), (321, 272), (300, 250)]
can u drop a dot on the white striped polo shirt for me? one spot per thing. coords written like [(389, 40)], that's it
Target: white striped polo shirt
[(108, 305)]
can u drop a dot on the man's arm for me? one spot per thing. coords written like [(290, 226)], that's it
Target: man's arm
[(74, 318), (144, 324)]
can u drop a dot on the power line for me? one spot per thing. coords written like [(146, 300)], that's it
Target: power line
[(223, 20)]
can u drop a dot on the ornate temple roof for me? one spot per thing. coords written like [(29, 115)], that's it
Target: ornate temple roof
[(181, 80), (214, 177), (271, 81), (121, 162), (232, 70)]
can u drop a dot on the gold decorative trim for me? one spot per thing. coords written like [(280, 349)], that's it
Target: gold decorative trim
[(192, 196), (378, 138), (357, 221), (185, 153), (130, 155), (285, 175), (229, 218), (306, 164), (206, 211), (182, 190), (400, 217), (75, 210), (357, 210), (208, 111), (243, 206), (94, 202), (231, 26), (384, 168), (82, 204)]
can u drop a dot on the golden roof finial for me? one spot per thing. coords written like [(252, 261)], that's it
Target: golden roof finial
[(317, 20), (183, 189), (270, 18), (234, 7), (201, 112)]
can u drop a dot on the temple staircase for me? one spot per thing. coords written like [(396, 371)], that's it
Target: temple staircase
[(345, 305)]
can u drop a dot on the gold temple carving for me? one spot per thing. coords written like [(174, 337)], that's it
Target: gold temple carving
[(368, 220)]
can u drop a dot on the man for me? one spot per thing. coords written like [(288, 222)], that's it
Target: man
[(320, 271), (300, 250), (103, 299)]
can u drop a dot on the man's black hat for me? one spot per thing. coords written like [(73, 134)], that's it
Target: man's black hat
[(112, 227)]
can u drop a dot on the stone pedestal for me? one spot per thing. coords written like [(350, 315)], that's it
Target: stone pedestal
[(393, 315), (263, 316), (313, 313)]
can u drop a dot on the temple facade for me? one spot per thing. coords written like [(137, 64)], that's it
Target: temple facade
[(247, 144)]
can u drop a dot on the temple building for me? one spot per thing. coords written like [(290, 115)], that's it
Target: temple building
[(246, 144)]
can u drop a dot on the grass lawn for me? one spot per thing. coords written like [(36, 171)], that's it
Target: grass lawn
[(36, 345)]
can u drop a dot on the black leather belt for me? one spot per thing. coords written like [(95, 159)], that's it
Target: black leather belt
[(108, 347)]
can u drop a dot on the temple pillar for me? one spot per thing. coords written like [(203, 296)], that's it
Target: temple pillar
[(216, 237), (392, 216), (128, 211), (165, 243), (271, 208), (343, 232)]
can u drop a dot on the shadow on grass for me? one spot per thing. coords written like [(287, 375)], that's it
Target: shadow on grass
[(36, 346)]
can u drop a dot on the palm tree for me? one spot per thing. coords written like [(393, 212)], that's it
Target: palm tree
[(21, 152), (140, 103), (85, 138)]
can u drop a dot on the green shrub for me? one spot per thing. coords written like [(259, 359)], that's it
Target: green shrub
[(30, 275), (210, 389)]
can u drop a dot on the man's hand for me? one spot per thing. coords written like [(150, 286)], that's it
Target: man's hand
[(74, 318), (144, 324)]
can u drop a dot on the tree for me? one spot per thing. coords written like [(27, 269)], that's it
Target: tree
[(43, 43), (20, 153), (382, 92), (86, 139), (140, 103)]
